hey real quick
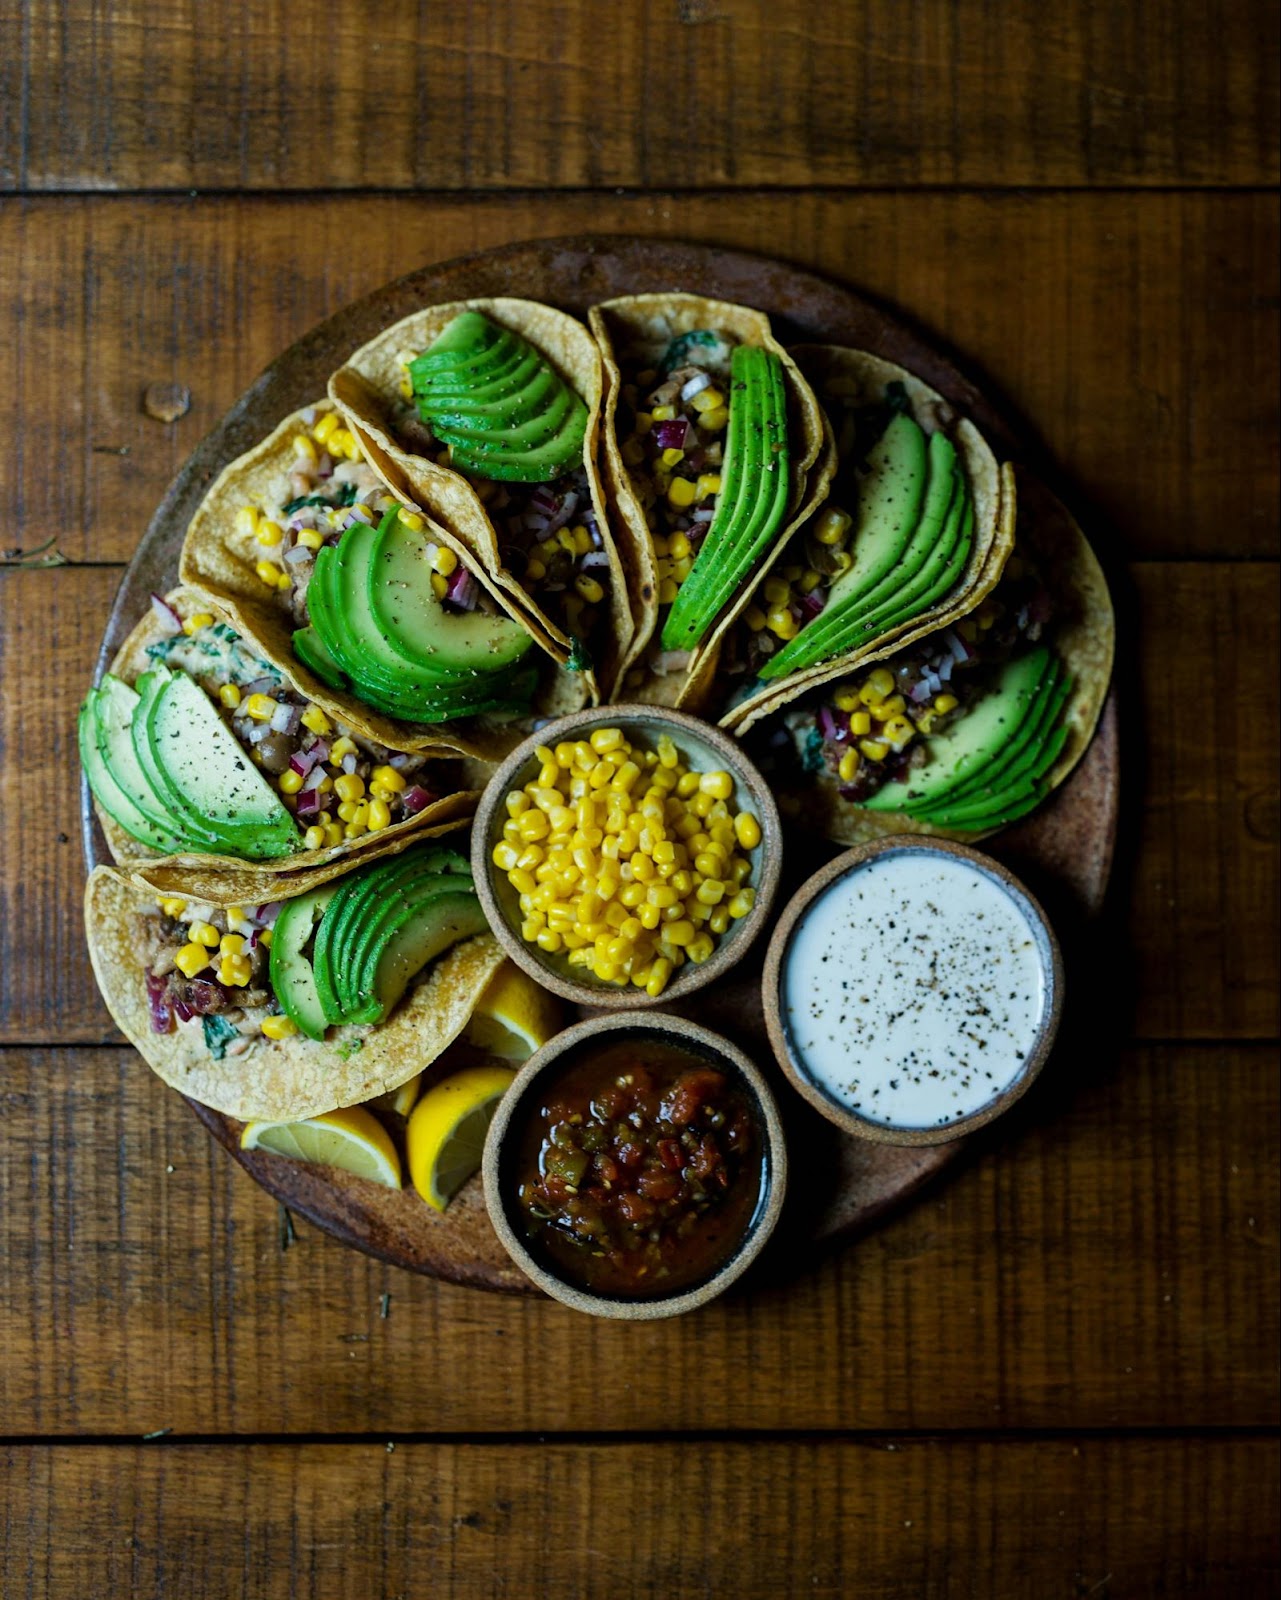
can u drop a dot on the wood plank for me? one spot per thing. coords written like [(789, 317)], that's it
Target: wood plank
[(686, 94), (1196, 882), (1133, 333), (882, 1519), (1107, 1257)]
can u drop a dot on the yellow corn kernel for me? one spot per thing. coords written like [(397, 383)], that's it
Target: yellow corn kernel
[(229, 695), (439, 586), (755, 618), (355, 829), (742, 903), (261, 707), (172, 906), (314, 838), (700, 948), (247, 518), (679, 932), (678, 546), (284, 581), (444, 561), (281, 1027), (663, 413), (268, 571), (533, 825), (706, 400), (782, 623), (848, 767), (350, 786), (548, 940), (843, 561), (719, 920), (718, 784), (324, 426), (235, 971), (662, 895), (379, 816), (945, 702), (715, 419), (289, 781), (899, 731), (304, 449), (191, 959), (535, 570), (333, 833), (891, 707), (833, 526), (860, 722), (309, 539), (197, 621), (846, 699), (590, 590), (668, 589), (874, 749), (388, 777), (881, 680), (672, 457), (523, 882), (776, 591), (412, 521), (206, 934), (648, 916), (660, 972), (710, 892), (681, 493), (517, 802), (316, 720), (709, 483), (747, 830)]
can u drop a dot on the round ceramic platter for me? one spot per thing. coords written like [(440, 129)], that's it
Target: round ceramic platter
[(1063, 851)]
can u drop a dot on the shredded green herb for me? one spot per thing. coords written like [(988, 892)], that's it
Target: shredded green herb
[(346, 496), (346, 1051), (218, 1035), (580, 659)]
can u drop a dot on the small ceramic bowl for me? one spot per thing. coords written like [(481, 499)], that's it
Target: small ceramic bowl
[(545, 1065), (705, 749), (789, 1058)]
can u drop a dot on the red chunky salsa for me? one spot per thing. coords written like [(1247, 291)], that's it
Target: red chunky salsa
[(641, 1170)]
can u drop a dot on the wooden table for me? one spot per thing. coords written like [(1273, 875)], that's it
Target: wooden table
[(1054, 1375)]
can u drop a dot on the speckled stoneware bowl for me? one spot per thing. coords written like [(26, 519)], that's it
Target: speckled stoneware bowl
[(504, 1131), (1047, 949), (706, 749)]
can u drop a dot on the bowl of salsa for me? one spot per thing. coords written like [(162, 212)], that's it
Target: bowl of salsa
[(636, 1167)]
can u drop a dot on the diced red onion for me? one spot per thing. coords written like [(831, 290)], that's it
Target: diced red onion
[(834, 725), (285, 718), (671, 435), (258, 686), (402, 762), (531, 522), (919, 693), (696, 385), (810, 605), (415, 799), (256, 732), (960, 650), (165, 615), (945, 670), (349, 761), (593, 559), (182, 1012), (309, 415), (563, 512), (268, 913), (302, 761), (703, 514), (158, 1005), (319, 750), (203, 996), (308, 802), (542, 500), (325, 466), (297, 555), (463, 591)]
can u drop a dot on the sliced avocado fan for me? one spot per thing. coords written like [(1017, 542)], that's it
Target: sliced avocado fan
[(500, 405), (753, 501)]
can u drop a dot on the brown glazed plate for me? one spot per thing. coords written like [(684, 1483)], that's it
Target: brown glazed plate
[(1063, 851)]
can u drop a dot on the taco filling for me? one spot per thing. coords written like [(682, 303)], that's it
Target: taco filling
[(959, 731), (344, 955), (213, 750), (482, 401), (382, 607), (894, 539)]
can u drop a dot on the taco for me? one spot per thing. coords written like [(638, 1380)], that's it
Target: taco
[(715, 449), (287, 1010), (914, 532), (485, 414), (967, 729), (205, 759), (376, 612)]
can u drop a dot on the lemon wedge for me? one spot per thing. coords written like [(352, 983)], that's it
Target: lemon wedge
[(401, 1100), (515, 1016), (446, 1133), (353, 1140)]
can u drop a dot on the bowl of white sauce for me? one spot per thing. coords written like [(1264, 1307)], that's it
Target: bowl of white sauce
[(913, 990)]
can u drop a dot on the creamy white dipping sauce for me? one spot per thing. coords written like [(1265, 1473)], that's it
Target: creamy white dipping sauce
[(914, 988)]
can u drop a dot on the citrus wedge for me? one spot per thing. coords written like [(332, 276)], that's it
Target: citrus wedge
[(352, 1140), (446, 1133), (515, 1016), (400, 1101)]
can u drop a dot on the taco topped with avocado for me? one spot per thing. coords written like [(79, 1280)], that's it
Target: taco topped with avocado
[(914, 530), (380, 613), (289, 1009), (967, 729), (714, 447), (204, 758), (485, 414)]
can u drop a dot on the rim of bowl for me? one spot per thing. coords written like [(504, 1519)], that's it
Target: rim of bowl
[(774, 1156), (730, 947), (850, 1121)]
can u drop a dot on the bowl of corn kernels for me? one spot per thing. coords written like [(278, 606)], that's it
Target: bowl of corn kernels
[(626, 855)]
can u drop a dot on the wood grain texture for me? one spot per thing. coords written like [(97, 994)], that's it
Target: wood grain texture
[(882, 1519), (1104, 1257), (1134, 334), (679, 93), (1197, 874)]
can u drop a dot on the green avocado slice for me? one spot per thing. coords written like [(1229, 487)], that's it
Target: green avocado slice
[(315, 655), (971, 743), (292, 976), (754, 502), (364, 938), (104, 731), (904, 608), (946, 483), (195, 831), (1020, 757), (431, 919), (529, 427), (981, 810)]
